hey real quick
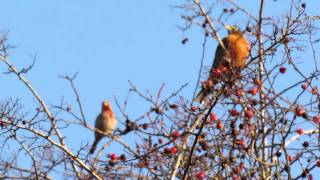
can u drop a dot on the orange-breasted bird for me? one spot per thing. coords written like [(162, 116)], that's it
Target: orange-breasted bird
[(227, 62), (106, 122)]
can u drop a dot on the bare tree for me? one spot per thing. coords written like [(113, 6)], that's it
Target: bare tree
[(264, 126)]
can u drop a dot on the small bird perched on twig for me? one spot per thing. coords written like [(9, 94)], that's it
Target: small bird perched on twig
[(106, 122), (227, 62)]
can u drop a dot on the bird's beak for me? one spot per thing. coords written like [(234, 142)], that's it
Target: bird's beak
[(106, 107), (229, 28), (105, 103)]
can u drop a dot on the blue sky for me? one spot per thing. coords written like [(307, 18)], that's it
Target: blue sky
[(108, 43)]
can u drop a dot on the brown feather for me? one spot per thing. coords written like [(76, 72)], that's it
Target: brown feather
[(230, 61), (106, 122)]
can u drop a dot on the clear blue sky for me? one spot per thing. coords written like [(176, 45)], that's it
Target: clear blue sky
[(108, 43)]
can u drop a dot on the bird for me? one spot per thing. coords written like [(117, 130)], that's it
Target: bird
[(228, 61), (106, 122)]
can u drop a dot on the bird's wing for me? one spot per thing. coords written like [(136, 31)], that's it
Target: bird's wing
[(99, 122), (220, 54)]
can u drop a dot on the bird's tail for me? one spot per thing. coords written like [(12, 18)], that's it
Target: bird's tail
[(201, 96), (94, 145)]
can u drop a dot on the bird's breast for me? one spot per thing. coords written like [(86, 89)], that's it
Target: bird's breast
[(238, 49), (106, 121)]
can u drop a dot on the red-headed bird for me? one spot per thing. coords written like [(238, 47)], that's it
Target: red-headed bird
[(106, 122)]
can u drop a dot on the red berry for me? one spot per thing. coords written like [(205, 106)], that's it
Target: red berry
[(290, 158), (193, 108), (249, 113), (233, 112), (300, 131), (160, 141), (240, 142), (213, 117), (318, 163), (235, 177), (282, 70), (175, 134), (216, 72), (314, 90), (219, 125), (241, 165), (316, 119), (253, 91), (113, 157), (201, 175), (304, 86), (299, 111), (239, 92), (310, 177), (145, 126), (173, 150)]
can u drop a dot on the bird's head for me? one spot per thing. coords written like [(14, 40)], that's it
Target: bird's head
[(106, 106), (232, 29)]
